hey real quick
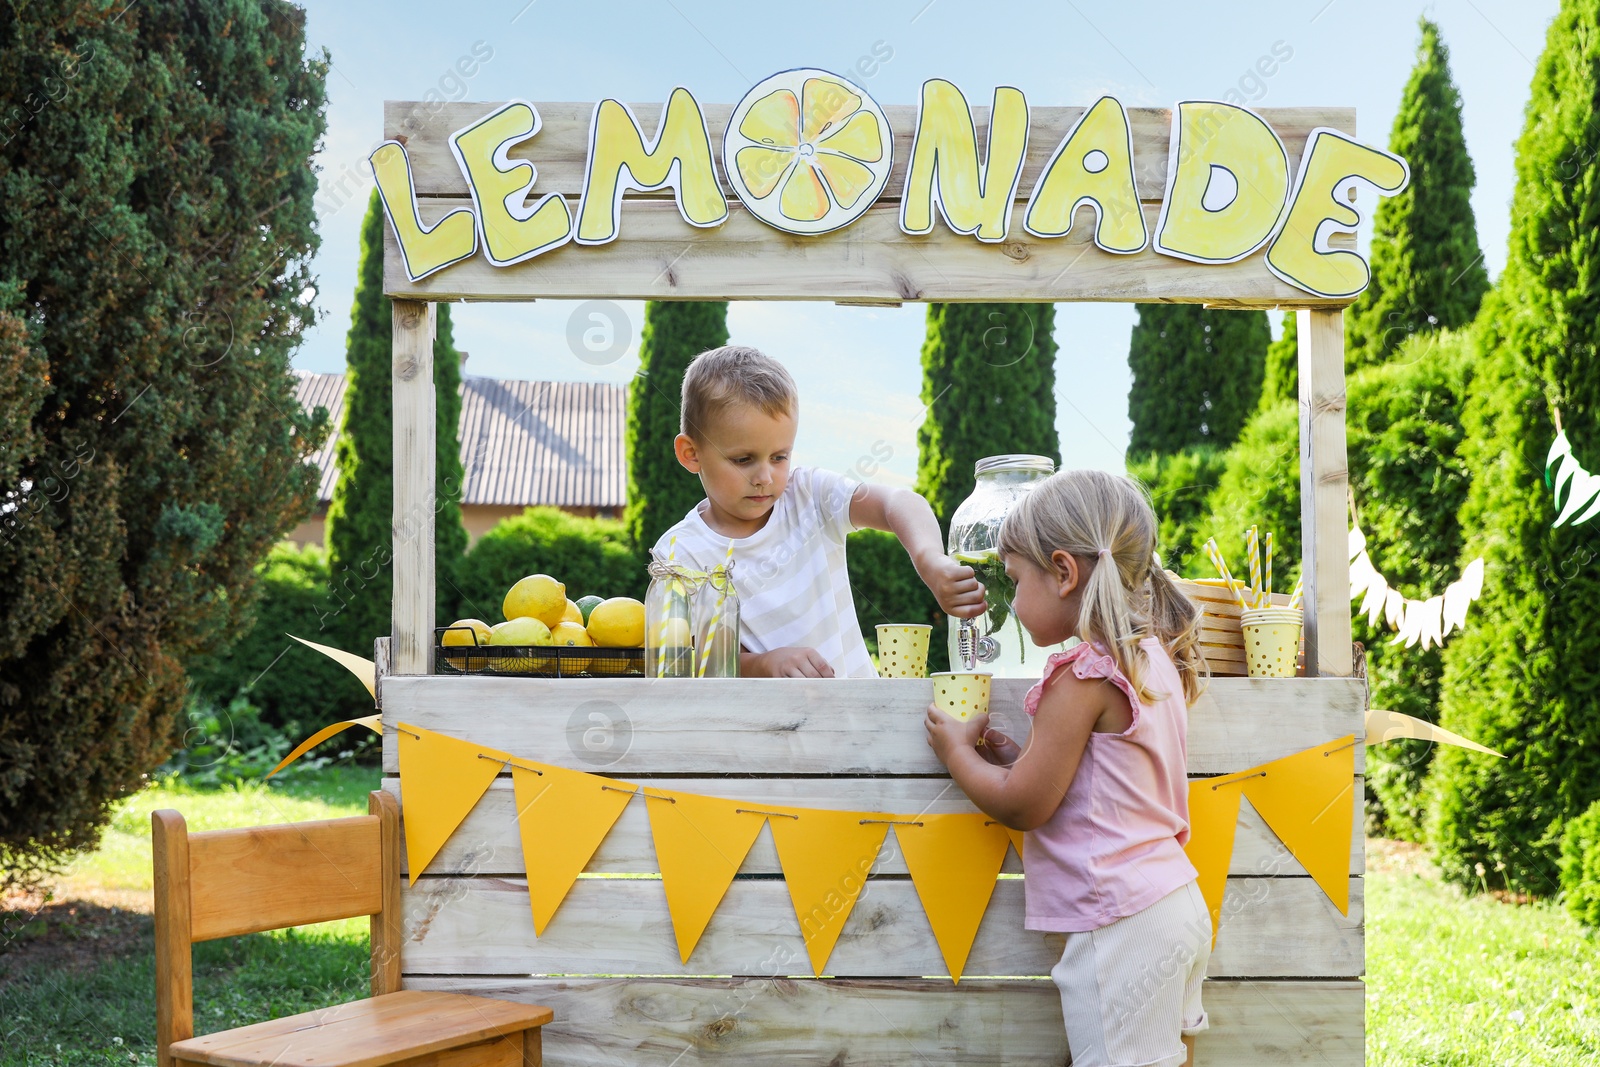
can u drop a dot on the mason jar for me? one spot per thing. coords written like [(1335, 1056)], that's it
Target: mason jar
[(996, 640)]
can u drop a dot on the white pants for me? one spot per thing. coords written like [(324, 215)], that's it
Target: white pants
[(1129, 990)]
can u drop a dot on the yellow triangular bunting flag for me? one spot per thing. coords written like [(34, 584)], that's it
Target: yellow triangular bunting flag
[(954, 861), (1016, 839), (1306, 800), (700, 844), (442, 778), (562, 816), (1213, 817), (825, 857), (371, 722)]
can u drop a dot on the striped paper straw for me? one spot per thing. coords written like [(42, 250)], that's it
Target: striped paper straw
[(716, 614), (1222, 568), (666, 616), (1299, 588), (1266, 578), (1252, 551)]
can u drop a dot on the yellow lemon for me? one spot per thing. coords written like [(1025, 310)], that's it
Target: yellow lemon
[(807, 151), (573, 614), (476, 633), (538, 596), (518, 631), (674, 633), (572, 635), (617, 623)]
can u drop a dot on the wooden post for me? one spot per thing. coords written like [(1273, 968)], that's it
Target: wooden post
[(169, 846), (387, 932), (1324, 478), (411, 650)]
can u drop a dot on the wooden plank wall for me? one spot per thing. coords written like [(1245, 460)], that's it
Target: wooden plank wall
[(659, 256), (1284, 974)]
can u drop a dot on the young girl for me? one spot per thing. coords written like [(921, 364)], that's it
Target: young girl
[(1101, 786)]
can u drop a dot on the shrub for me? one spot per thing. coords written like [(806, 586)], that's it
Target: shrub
[(1181, 484), (886, 589), (294, 688), (1580, 866), (590, 556)]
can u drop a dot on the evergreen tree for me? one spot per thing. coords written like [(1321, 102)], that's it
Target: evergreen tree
[(1521, 678), (156, 173), (660, 492), (1427, 269), (988, 380), (360, 518), (1196, 375), (1282, 378)]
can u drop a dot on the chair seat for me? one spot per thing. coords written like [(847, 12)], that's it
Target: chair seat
[(390, 1029)]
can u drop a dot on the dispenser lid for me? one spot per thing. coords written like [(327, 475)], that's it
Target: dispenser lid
[(1015, 462)]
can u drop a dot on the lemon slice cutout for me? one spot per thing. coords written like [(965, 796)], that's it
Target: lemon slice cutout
[(807, 152)]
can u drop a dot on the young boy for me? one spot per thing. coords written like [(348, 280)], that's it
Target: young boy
[(796, 615)]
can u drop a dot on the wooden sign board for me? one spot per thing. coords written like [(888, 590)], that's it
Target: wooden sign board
[(656, 254)]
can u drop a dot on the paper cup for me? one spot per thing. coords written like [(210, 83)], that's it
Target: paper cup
[(961, 695), (903, 650), (1271, 641)]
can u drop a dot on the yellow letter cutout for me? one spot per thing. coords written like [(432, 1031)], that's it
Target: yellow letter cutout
[(680, 156), (424, 249), (1227, 181), (944, 163), (1300, 254), (512, 231), (1094, 166)]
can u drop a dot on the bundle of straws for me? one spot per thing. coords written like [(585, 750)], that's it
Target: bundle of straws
[(1258, 594)]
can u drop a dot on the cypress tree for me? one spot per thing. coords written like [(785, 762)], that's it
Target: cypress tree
[(1521, 678), (155, 166), (361, 513), (1427, 269), (660, 492), (988, 380), (1196, 375), (1282, 378)]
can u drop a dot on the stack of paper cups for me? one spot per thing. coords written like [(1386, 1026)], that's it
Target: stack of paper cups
[(903, 650), (1271, 641)]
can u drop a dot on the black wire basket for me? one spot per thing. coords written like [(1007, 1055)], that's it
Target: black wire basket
[(535, 661)]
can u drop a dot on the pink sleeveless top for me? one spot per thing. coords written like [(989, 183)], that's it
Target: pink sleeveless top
[(1115, 845)]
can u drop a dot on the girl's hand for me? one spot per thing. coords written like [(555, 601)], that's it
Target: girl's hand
[(946, 735)]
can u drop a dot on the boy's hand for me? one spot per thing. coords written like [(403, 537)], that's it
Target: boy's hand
[(954, 585), (787, 663)]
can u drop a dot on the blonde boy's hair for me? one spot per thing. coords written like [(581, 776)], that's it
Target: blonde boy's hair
[(734, 374), (1107, 522)]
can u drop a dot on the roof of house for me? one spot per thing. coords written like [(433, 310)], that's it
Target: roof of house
[(522, 443)]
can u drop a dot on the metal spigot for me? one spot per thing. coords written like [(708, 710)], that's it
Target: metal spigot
[(974, 648)]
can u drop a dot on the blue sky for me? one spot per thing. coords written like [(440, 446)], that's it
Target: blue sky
[(857, 368)]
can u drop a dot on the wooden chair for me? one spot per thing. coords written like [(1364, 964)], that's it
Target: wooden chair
[(227, 882)]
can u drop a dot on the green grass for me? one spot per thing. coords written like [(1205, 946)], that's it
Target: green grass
[(1457, 981), (1452, 981), (104, 1014)]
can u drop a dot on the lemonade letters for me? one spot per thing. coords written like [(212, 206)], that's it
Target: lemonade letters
[(807, 153), (974, 198)]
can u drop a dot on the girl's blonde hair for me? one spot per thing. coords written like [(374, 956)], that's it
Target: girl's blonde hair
[(1107, 522)]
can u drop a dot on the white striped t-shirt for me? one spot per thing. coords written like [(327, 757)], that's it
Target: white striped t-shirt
[(794, 590)]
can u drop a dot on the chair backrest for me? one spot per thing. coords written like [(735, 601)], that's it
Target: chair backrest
[(227, 882)]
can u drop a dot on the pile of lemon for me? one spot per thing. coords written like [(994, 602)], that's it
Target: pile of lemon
[(539, 614)]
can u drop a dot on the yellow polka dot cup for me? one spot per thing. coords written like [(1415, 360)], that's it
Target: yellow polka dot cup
[(961, 695), (903, 650), (1271, 641)]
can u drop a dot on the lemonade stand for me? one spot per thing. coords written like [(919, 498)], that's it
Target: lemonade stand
[(800, 883)]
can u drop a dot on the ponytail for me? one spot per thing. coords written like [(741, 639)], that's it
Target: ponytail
[(1108, 524)]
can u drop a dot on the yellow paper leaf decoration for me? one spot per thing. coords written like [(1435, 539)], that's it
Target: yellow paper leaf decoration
[(1306, 800), (954, 861), (700, 844), (1213, 818), (825, 856), (371, 722), (443, 778), (562, 817)]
